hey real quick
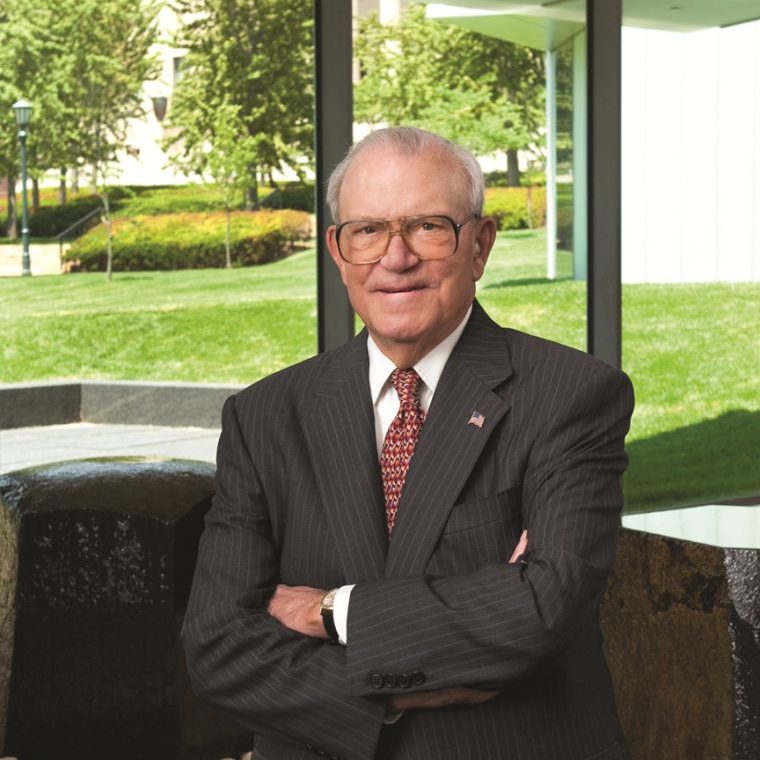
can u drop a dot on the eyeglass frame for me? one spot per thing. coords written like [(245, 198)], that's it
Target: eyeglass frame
[(457, 227)]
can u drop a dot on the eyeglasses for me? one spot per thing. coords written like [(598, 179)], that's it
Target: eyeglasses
[(366, 241)]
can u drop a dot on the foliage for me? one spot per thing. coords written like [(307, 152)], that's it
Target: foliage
[(49, 221), (188, 241), (295, 195), (516, 208), (144, 201), (248, 78), (480, 92), (82, 64), (529, 178), (228, 163), (136, 200)]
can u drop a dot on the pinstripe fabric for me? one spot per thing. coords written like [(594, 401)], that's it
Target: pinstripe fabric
[(299, 501)]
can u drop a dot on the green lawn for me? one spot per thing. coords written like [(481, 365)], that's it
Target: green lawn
[(691, 350)]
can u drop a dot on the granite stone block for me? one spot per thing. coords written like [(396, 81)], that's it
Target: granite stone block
[(101, 555), (681, 624)]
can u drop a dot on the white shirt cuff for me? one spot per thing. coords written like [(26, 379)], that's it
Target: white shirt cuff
[(340, 612)]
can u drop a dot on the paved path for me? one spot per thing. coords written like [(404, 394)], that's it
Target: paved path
[(24, 447), (44, 258)]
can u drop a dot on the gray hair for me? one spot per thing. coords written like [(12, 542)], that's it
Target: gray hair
[(410, 141)]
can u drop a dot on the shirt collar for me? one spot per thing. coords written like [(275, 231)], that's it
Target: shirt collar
[(429, 367)]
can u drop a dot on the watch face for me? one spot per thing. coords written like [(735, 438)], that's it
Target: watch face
[(328, 600)]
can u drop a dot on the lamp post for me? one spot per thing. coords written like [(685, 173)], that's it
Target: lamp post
[(23, 110)]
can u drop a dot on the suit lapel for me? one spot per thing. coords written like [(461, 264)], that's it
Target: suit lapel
[(449, 447), (339, 430)]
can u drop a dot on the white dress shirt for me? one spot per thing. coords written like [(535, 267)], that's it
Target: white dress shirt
[(386, 404)]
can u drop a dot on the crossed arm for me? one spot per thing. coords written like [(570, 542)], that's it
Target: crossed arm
[(298, 608)]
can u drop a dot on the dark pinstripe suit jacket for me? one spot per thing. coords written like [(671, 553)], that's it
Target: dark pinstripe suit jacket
[(299, 501)]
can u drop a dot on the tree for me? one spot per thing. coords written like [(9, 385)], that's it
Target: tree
[(516, 74), (255, 56), (481, 92), (82, 63), (110, 72), (228, 164)]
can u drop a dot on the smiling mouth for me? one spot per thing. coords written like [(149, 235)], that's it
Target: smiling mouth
[(393, 291)]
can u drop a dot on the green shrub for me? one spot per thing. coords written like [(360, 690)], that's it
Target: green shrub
[(190, 241), (528, 178), (49, 221), (293, 195), (509, 206), (179, 199)]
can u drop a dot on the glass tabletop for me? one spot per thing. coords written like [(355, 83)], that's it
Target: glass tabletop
[(727, 526)]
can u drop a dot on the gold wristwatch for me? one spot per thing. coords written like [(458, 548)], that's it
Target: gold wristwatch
[(326, 611)]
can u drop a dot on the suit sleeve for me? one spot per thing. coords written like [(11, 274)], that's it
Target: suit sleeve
[(269, 679), (504, 622)]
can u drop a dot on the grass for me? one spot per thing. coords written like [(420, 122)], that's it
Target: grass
[(691, 350)]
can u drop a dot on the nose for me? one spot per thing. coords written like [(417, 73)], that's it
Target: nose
[(398, 257)]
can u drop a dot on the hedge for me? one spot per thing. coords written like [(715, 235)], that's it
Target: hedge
[(509, 207), (291, 195), (49, 221), (190, 241), (130, 201)]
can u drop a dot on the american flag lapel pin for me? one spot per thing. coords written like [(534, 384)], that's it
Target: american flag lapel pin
[(477, 419)]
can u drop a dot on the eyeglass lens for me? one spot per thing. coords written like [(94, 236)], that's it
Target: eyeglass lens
[(427, 237)]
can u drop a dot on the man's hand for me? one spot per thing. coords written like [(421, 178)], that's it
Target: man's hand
[(522, 545), (297, 608), (455, 695)]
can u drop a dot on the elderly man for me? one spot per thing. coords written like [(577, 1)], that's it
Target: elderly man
[(411, 535)]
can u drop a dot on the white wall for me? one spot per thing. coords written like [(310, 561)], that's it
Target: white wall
[(691, 155), (146, 163)]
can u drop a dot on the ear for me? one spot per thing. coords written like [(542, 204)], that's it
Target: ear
[(485, 236), (332, 246)]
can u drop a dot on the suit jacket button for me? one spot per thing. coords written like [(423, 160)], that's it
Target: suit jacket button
[(418, 678), (404, 680), (376, 680), (389, 680)]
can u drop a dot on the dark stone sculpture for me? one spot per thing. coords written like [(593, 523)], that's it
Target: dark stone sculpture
[(101, 555), (681, 623)]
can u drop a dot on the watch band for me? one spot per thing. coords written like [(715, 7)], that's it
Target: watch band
[(326, 611)]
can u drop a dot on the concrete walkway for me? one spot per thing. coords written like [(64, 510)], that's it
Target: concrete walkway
[(25, 447), (44, 258)]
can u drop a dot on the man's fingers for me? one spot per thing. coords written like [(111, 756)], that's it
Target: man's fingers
[(457, 695), (522, 545), (297, 608)]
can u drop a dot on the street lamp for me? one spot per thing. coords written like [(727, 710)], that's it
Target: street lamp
[(23, 110)]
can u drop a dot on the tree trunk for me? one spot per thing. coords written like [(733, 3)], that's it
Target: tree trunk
[(62, 187), (75, 180), (12, 228), (227, 255), (252, 197), (513, 169), (252, 192), (109, 227), (35, 194)]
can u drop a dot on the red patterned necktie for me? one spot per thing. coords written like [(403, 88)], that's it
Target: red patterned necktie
[(400, 440)]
